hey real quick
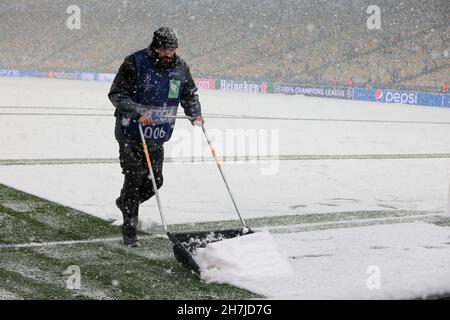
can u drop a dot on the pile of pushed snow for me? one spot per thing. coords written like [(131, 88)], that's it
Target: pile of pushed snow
[(246, 258)]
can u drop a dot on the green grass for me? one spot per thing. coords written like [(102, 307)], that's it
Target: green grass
[(108, 269), (443, 222), (26, 218)]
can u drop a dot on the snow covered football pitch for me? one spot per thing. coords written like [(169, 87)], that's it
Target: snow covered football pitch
[(358, 207)]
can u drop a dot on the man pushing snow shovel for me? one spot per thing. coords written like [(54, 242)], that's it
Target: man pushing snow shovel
[(149, 86)]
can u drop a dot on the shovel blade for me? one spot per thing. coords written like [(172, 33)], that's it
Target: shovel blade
[(186, 243)]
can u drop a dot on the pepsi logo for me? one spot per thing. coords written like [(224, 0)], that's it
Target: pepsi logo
[(378, 94)]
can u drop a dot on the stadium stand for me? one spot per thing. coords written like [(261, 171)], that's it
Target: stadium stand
[(292, 41)]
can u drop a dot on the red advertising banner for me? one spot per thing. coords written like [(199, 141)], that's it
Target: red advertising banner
[(208, 84)]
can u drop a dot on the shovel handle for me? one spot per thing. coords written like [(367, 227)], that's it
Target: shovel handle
[(152, 177), (213, 151)]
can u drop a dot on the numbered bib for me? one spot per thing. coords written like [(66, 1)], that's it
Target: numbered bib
[(157, 133), (163, 122)]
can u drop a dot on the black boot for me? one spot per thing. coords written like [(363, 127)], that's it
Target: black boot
[(129, 227), (130, 236)]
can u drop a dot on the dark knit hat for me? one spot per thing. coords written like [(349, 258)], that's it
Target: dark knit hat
[(164, 37)]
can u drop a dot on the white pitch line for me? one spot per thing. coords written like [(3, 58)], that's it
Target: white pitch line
[(274, 228), (69, 242), (248, 158), (355, 221)]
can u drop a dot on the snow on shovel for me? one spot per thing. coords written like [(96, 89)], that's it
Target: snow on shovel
[(252, 257)]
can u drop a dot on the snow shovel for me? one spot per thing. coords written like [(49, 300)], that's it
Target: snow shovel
[(185, 244)]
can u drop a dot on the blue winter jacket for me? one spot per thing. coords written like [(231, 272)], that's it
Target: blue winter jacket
[(145, 84)]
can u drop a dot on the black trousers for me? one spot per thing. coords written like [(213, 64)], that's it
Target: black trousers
[(137, 187)]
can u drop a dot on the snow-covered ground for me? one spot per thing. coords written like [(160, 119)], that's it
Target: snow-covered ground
[(413, 258), (400, 261), (292, 187), (195, 192), (46, 136)]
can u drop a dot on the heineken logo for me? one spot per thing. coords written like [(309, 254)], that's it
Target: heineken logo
[(243, 86)]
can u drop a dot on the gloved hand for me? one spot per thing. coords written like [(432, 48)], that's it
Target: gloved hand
[(145, 120), (198, 121), (150, 119)]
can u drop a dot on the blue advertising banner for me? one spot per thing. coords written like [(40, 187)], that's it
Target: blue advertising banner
[(429, 99), (27, 73), (90, 76), (363, 94), (106, 77), (17, 73), (42, 74), (446, 100), (9, 73), (394, 96), (65, 75), (328, 92)]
